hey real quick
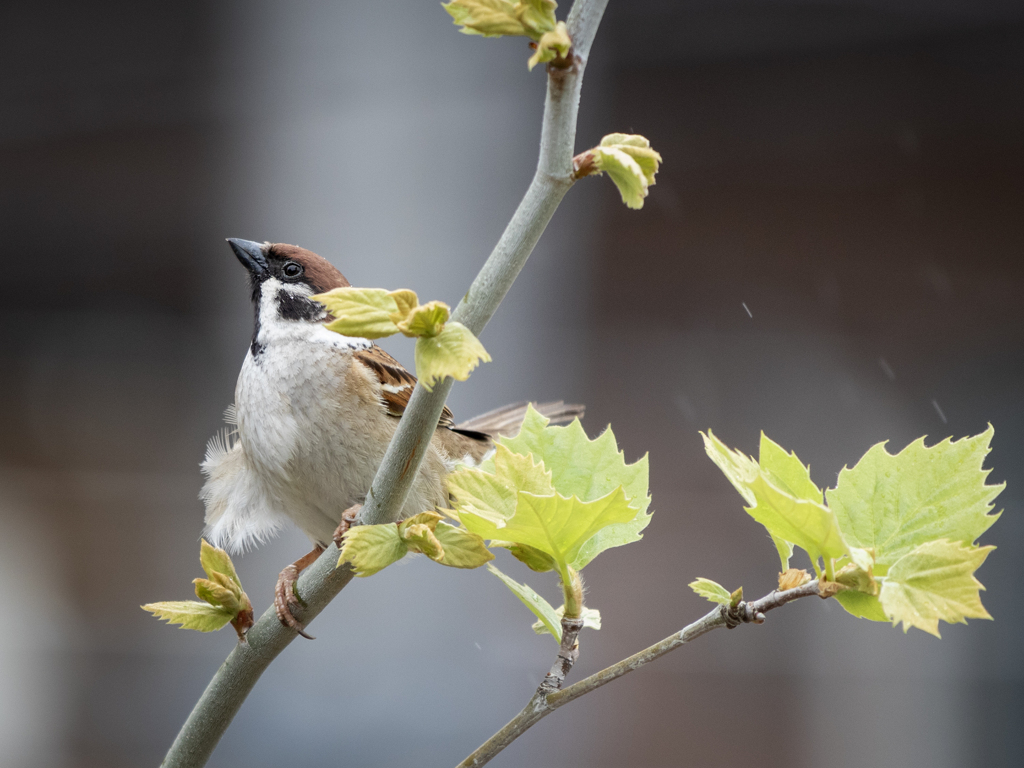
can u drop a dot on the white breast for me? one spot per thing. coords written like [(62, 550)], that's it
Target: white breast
[(309, 440)]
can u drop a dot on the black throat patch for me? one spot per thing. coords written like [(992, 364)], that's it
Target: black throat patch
[(292, 307)]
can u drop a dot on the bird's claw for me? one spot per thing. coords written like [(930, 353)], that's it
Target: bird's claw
[(348, 519), (285, 599)]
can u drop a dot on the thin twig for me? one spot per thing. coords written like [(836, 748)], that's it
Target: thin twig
[(543, 704), (322, 581)]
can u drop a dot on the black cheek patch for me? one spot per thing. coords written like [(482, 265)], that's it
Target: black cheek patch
[(292, 307)]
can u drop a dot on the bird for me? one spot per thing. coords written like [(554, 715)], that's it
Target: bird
[(312, 417)]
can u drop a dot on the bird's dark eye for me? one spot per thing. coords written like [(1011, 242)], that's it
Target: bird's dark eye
[(292, 270)]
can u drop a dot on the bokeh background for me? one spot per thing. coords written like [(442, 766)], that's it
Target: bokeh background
[(834, 253)]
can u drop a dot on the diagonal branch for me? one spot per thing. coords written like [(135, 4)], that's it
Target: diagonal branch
[(322, 581), (544, 703)]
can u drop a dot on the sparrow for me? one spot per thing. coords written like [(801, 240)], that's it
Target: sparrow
[(314, 412)]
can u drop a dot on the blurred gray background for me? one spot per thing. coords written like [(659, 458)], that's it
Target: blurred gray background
[(851, 172)]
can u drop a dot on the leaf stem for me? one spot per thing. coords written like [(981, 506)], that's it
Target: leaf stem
[(543, 703), (322, 581)]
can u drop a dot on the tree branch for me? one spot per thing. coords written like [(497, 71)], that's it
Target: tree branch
[(544, 703), (322, 581)]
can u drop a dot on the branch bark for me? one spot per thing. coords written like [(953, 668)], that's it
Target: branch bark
[(322, 581), (543, 702)]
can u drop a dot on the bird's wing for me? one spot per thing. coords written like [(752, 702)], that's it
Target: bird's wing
[(396, 383)]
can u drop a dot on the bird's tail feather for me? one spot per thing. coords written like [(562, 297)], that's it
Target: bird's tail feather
[(506, 421)]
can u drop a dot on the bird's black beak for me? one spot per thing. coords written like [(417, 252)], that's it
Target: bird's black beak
[(251, 255)]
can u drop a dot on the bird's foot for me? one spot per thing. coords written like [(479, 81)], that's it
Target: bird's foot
[(348, 519), (285, 596)]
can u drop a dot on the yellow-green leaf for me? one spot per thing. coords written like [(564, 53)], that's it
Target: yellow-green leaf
[(540, 607), (711, 590), (537, 16), (801, 519), (892, 504), (190, 614), (371, 548), (587, 469), (420, 538), (360, 312), (425, 320), (862, 605), (556, 525), (591, 620), (630, 163), (406, 301), (638, 148), (551, 45), (935, 581), (462, 549), (216, 560), (491, 18), (533, 558), (454, 352), (217, 595)]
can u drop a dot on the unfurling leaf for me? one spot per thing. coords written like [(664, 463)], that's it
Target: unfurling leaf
[(629, 162), (537, 17), (372, 548), (736, 597), (190, 614), (217, 595), (892, 504), (491, 18), (406, 301), (462, 549), (552, 45), (711, 590), (591, 620), (225, 600), (425, 320), (793, 578), (360, 312), (540, 607), (454, 352), (781, 499), (935, 581)]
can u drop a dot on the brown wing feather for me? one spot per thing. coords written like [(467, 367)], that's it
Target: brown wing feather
[(395, 381)]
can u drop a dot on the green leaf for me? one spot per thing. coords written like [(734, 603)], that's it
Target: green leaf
[(892, 504), (802, 520), (589, 470), (190, 614), (935, 581), (462, 549), (556, 525), (491, 18), (454, 352), (862, 605), (540, 607), (537, 17), (591, 620), (711, 590), (552, 45), (533, 558), (361, 312), (425, 320), (215, 560), (372, 548)]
